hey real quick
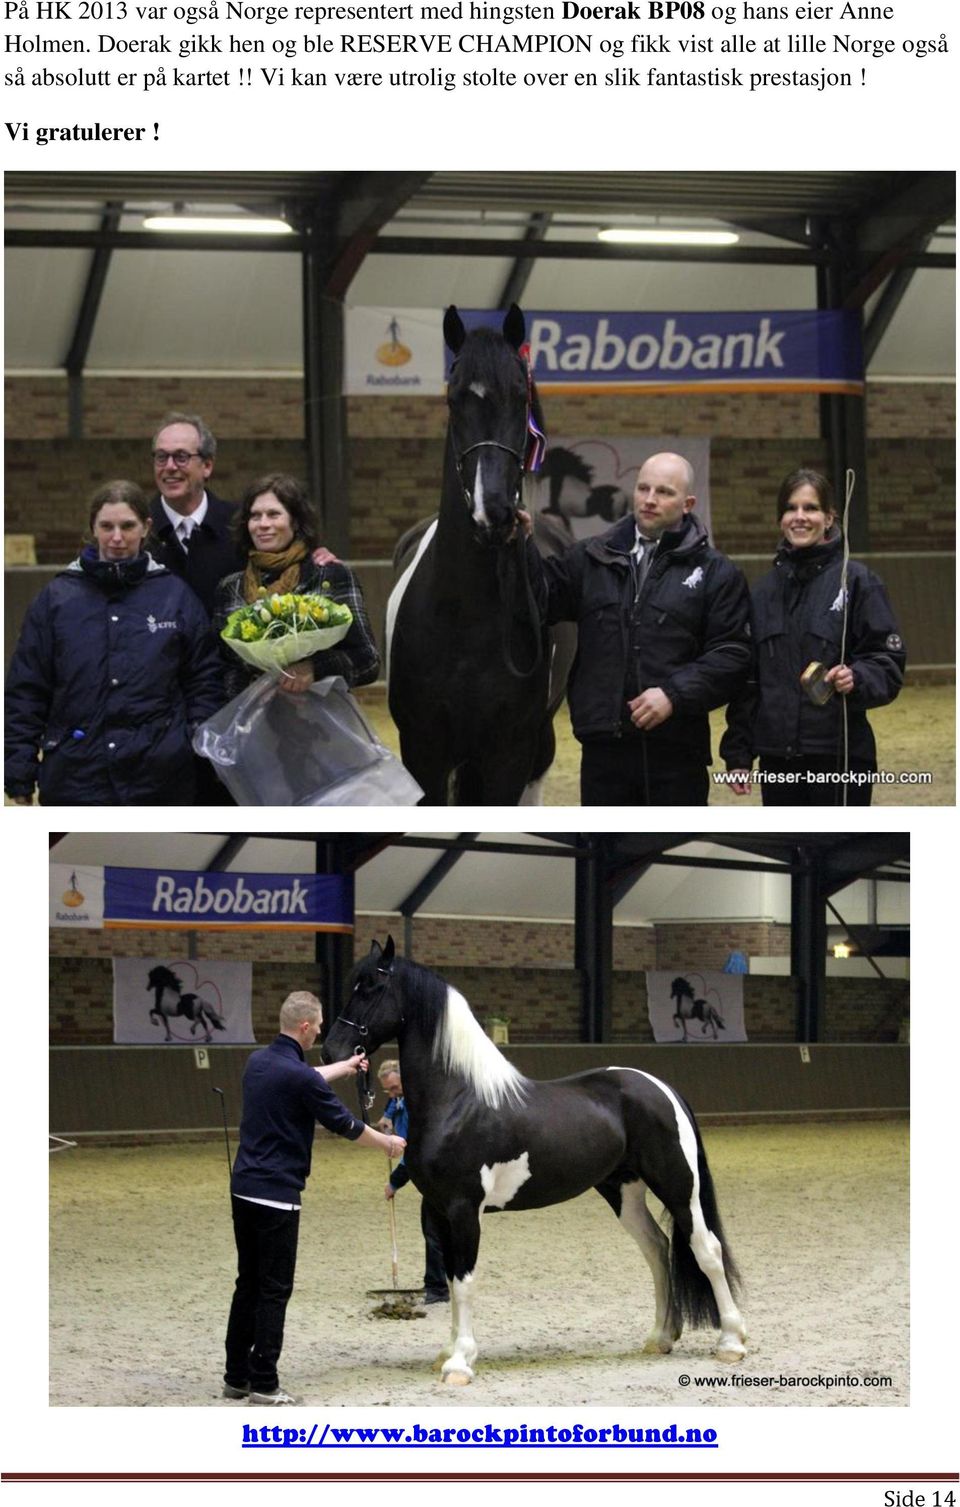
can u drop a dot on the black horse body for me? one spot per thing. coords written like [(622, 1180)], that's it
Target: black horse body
[(483, 1137), (469, 661)]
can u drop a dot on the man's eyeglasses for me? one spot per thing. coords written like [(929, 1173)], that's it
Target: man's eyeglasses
[(179, 457)]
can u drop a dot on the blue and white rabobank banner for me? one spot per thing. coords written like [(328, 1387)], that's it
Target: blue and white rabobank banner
[(189, 901), (805, 350)]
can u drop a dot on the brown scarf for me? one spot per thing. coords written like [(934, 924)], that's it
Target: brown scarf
[(264, 562)]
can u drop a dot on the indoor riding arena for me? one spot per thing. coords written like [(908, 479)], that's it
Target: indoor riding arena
[(571, 950)]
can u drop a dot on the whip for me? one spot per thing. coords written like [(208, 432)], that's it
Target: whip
[(226, 1136), (851, 477)]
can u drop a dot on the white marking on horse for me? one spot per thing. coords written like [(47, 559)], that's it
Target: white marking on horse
[(479, 511), (479, 389), (463, 1047), (396, 595), (503, 1180), (703, 1242)]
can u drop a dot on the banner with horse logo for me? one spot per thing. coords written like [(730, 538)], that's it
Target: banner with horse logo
[(183, 1002), (689, 1005), (586, 481)]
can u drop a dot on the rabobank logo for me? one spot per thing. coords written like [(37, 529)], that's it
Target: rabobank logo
[(76, 897), (393, 352), (661, 345), (234, 897)]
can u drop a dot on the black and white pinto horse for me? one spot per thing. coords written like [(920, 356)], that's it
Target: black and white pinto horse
[(169, 1002), (691, 1008), (468, 659), (482, 1136)]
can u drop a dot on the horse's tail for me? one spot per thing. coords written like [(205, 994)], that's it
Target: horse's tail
[(692, 1294)]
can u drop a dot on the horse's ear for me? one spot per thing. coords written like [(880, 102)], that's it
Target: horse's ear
[(514, 326), (453, 331), (388, 953), (375, 948)]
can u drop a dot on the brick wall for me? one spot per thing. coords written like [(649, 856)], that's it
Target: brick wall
[(521, 970), (396, 447)]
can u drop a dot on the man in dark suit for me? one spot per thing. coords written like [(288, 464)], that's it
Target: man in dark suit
[(192, 534), (192, 528)]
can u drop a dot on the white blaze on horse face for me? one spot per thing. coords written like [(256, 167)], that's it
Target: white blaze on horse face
[(503, 1180), (479, 511)]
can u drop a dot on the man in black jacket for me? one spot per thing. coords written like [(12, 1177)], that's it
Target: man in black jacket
[(283, 1101), (663, 637), (192, 530), (192, 534)]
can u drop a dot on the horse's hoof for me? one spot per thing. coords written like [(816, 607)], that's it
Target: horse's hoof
[(457, 1378), (731, 1352), (657, 1346)]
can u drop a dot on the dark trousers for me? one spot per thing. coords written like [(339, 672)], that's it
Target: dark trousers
[(435, 1272), (798, 792), (266, 1260), (629, 772)]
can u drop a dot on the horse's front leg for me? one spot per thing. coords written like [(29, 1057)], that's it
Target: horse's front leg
[(461, 1244)]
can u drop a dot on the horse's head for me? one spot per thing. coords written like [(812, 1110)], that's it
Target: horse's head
[(494, 415), (681, 988), (163, 978), (373, 1014)]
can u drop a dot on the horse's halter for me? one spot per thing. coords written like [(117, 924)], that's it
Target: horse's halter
[(526, 459), (460, 457)]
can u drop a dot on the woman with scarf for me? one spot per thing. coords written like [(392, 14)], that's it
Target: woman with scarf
[(822, 657), (278, 534), (114, 669)]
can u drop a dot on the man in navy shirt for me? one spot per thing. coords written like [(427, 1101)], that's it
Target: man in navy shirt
[(284, 1099)]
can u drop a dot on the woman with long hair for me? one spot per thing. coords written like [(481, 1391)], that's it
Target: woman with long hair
[(826, 648)]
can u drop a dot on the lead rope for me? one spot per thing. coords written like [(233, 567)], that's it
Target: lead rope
[(851, 477), (509, 569)]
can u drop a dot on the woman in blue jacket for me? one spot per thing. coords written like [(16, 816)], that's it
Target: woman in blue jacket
[(819, 749), (115, 667)]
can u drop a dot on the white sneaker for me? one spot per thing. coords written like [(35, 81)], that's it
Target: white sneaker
[(275, 1399)]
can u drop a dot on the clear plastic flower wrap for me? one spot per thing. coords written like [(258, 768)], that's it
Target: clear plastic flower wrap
[(317, 749)]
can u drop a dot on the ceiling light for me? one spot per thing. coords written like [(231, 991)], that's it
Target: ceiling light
[(663, 237), (841, 949), (216, 225)]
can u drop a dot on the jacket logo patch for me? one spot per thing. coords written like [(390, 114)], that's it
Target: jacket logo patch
[(155, 626), (894, 641), (693, 579), (837, 604)]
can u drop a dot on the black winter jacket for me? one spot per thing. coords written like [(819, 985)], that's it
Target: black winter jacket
[(797, 617), (283, 1101), (114, 669), (686, 633)]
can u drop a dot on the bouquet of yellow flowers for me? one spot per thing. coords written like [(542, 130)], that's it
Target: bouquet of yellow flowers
[(275, 631)]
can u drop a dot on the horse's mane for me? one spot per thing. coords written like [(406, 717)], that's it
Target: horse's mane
[(460, 1043)]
